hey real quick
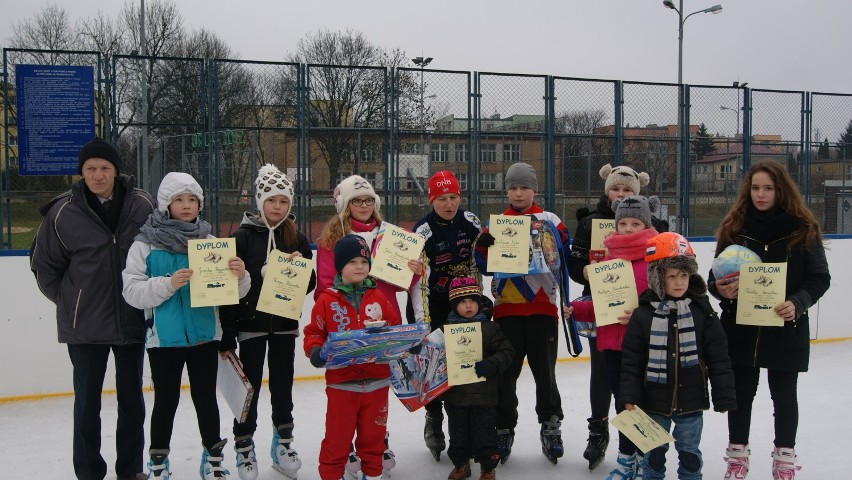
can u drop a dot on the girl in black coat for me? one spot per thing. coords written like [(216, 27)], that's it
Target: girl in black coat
[(264, 336), (770, 218)]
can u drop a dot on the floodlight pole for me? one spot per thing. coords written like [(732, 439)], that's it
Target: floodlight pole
[(682, 225)]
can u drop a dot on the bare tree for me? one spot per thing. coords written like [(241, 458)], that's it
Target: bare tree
[(49, 30), (575, 131), (345, 95)]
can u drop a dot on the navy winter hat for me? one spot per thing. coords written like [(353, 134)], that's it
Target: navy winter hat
[(349, 247), (98, 148)]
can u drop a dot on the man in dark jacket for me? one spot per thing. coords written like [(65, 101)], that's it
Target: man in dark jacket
[(674, 344), (77, 257)]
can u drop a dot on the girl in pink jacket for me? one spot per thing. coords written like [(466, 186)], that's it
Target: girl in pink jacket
[(633, 230)]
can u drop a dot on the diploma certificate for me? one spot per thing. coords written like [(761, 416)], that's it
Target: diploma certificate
[(763, 287), (212, 283), (601, 228), (463, 343), (394, 248), (511, 250), (613, 290), (285, 285), (641, 429)]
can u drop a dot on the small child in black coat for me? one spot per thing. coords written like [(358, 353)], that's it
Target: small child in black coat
[(472, 408), (673, 345)]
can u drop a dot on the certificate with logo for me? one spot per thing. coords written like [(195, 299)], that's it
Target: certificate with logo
[(285, 285), (511, 250), (641, 429), (394, 248), (763, 287), (613, 290), (601, 228), (212, 283), (463, 343)]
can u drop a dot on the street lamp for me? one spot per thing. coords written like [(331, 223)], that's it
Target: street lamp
[(682, 203), (422, 63)]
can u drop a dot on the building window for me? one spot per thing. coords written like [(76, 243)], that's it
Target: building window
[(488, 153), (368, 154), (488, 181), (725, 169), (413, 148), (13, 161), (341, 176), (462, 178), (439, 152), (461, 152), (512, 152), (13, 140)]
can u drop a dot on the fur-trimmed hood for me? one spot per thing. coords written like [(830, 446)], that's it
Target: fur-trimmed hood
[(657, 269)]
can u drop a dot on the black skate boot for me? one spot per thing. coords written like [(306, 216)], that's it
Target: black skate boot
[(433, 434), (598, 441), (505, 439), (551, 439)]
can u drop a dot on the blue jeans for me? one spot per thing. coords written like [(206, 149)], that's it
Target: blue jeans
[(687, 435)]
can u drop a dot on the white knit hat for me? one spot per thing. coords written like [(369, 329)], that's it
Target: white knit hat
[(623, 175), (351, 187), (177, 183), (270, 182)]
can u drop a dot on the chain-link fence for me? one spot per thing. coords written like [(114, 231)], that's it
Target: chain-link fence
[(220, 120)]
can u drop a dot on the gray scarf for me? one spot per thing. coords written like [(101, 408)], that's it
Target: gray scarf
[(171, 235), (658, 348)]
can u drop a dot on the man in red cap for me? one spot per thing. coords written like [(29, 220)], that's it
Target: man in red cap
[(450, 233)]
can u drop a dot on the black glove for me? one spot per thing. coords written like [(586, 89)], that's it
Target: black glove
[(415, 349), (227, 344), (316, 358), (485, 369), (485, 240)]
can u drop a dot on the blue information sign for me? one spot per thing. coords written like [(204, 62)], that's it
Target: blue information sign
[(56, 116)]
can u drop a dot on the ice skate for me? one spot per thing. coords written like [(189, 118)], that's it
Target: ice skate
[(737, 461), (625, 468), (784, 464), (246, 458), (460, 472), (433, 434), (353, 465), (505, 439), (158, 465), (211, 462), (551, 439), (388, 458), (598, 441), (285, 460)]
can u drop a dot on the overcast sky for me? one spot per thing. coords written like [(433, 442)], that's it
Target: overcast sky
[(773, 44)]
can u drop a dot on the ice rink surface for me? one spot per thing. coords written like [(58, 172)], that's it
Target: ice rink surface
[(36, 435)]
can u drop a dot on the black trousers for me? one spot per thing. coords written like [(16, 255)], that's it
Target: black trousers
[(167, 365), (472, 434), (600, 393), (783, 387), (537, 338), (89, 364), (279, 353), (613, 368)]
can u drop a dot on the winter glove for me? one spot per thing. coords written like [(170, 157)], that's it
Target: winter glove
[(227, 344), (485, 369), (415, 349), (316, 358), (485, 240)]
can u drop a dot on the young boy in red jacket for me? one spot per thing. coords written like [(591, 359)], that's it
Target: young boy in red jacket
[(357, 394)]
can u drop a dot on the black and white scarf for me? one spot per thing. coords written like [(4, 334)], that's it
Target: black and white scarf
[(658, 348)]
